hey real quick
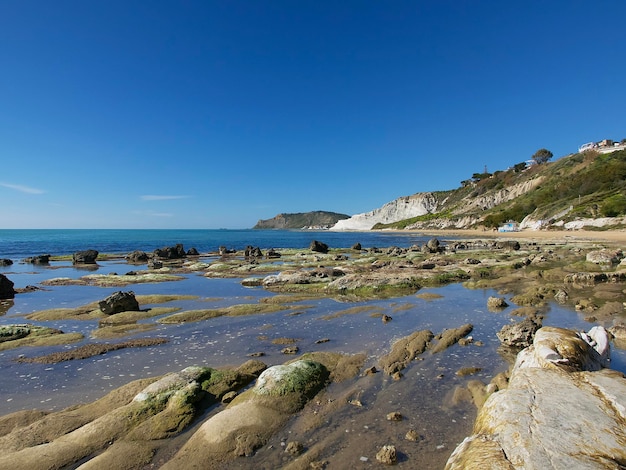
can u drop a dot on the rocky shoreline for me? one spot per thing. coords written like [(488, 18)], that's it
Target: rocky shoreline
[(210, 418)]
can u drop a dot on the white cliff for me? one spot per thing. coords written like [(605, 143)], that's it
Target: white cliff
[(394, 211)]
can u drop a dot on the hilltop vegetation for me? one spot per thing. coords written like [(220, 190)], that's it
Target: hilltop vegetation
[(576, 186)]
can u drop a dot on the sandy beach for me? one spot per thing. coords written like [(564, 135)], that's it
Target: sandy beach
[(613, 236)]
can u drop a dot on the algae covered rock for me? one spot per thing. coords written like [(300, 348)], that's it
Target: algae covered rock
[(252, 417)]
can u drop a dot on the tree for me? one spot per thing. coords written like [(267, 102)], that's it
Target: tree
[(542, 156)]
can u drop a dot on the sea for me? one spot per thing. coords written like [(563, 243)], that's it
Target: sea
[(344, 325), (16, 244)]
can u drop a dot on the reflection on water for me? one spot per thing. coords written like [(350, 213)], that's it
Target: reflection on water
[(422, 396)]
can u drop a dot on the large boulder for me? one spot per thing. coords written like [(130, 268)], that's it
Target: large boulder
[(560, 410), (520, 334), (119, 302), (6, 288), (85, 257), (318, 246), (38, 259), (5, 262), (171, 252), (137, 257), (605, 257)]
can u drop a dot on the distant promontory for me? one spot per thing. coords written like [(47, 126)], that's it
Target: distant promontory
[(302, 220)]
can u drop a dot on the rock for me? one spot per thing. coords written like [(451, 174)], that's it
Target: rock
[(39, 259), (356, 247), (253, 252), (5, 262), (85, 257), (249, 420), (137, 257), (555, 410), (432, 246), (387, 455), (618, 333), (228, 397), (294, 448), (272, 254), (290, 350), (496, 303), (386, 318), (6, 288), (412, 435), (607, 257), (590, 279), (394, 416), (405, 350), (119, 302), (225, 251), (508, 245), (171, 252), (520, 334), (192, 252), (451, 336), (561, 296), (155, 263), (318, 247)]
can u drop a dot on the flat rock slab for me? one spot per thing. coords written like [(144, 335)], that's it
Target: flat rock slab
[(550, 417)]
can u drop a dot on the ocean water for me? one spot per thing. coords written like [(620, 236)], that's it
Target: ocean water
[(19, 244)]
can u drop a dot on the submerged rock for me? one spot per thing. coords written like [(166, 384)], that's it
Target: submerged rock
[(85, 257)]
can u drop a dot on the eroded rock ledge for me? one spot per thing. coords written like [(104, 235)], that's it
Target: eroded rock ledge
[(562, 409)]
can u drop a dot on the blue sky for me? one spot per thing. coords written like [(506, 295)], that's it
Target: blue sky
[(202, 114)]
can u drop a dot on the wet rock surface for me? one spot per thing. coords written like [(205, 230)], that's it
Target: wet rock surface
[(528, 424)]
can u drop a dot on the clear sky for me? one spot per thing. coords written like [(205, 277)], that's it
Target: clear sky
[(215, 114)]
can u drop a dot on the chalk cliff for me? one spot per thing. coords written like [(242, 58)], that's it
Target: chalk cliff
[(398, 209)]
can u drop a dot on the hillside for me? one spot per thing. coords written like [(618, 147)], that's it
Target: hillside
[(585, 185), (315, 219)]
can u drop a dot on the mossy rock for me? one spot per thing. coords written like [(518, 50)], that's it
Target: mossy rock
[(302, 377)]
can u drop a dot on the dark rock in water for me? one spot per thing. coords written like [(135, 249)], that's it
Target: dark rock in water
[(225, 251), (356, 247), (508, 245), (119, 302), (271, 253), (39, 259), (155, 264), (171, 252), (137, 257), (5, 262), (519, 335), (85, 257), (192, 252), (319, 247), (6, 288), (253, 252)]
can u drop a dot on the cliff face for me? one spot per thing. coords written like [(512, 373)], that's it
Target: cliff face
[(399, 209), (316, 219)]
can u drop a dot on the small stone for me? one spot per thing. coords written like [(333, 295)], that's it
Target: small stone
[(228, 397), (386, 318), (397, 376), (496, 303), (323, 340), (291, 350), (370, 371), (412, 435), (294, 448), (387, 455), (394, 416)]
